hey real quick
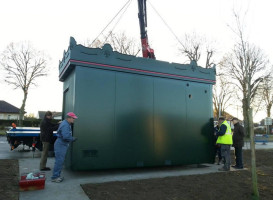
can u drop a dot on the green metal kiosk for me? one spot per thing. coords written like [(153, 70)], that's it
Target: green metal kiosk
[(135, 112)]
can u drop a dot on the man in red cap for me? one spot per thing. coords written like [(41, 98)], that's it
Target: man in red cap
[(64, 137)]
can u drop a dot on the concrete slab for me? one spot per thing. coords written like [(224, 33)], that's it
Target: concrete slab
[(70, 188)]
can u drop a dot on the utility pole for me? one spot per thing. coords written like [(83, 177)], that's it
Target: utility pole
[(268, 122)]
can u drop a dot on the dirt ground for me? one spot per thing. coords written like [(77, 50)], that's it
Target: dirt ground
[(234, 185), (9, 179)]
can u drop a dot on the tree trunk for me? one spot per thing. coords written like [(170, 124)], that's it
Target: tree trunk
[(22, 109), (253, 157), (246, 116), (269, 110)]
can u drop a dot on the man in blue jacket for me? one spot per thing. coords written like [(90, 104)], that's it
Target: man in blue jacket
[(64, 137)]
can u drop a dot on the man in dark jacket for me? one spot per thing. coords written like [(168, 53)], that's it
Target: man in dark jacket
[(238, 143), (46, 136)]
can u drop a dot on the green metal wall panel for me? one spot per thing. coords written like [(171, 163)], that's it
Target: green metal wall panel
[(134, 120), (169, 121), (199, 122), (95, 104)]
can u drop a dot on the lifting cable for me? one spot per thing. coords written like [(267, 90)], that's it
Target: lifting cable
[(166, 24), (111, 31), (112, 20)]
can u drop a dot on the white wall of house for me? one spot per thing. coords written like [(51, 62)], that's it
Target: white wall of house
[(9, 116)]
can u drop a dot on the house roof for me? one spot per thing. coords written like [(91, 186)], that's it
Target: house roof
[(41, 114), (6, 107)]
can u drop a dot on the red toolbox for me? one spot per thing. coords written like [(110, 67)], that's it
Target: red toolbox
[(37, 183)]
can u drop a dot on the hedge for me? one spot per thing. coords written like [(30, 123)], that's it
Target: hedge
[(26, 123)]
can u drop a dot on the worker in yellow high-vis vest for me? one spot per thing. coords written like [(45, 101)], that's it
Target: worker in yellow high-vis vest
[(224, 134)]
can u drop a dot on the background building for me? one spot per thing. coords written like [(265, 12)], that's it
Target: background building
[(8, 111), (56, 115)]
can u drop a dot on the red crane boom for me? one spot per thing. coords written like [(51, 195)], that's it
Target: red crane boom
[(147, 51)]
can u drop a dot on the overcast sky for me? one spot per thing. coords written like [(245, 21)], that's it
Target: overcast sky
[(49, 24)]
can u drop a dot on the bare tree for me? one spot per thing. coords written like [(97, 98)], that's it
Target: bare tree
[(23, 66), (119, 42), (193, 48), (267, 94), (222, 95), (246, 66)]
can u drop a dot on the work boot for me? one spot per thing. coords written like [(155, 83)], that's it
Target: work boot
[(45, 169), (57, 180)]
